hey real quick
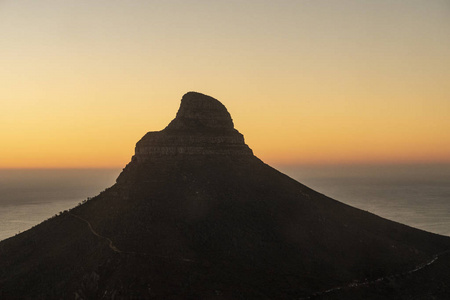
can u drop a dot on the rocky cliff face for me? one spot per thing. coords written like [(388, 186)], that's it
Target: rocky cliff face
[(202, 126)]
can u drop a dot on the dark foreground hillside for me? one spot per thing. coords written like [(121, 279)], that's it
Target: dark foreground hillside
[(195, 215)]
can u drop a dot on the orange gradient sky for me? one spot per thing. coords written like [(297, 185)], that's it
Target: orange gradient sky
[(306, 82)]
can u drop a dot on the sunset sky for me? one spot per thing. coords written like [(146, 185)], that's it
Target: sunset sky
[(306, 82)]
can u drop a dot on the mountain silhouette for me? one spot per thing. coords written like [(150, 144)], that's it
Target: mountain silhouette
[(195, 215)]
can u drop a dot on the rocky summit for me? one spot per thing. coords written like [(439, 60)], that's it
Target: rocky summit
[(202, 126), (195, 215)]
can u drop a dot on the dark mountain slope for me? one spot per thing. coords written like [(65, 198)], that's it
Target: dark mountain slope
[(195, 215)]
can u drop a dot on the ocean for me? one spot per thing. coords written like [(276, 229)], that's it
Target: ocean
[(415, 195), (28, 197)]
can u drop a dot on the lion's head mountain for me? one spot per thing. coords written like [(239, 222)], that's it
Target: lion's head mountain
[(195, 215)]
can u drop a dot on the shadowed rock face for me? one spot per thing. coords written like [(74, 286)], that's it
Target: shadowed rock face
[(199, 112), (202, 126)]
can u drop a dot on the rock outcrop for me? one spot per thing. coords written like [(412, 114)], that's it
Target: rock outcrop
[(202, 126)]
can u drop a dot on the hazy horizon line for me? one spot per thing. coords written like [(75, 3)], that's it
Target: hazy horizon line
[(283, 164)]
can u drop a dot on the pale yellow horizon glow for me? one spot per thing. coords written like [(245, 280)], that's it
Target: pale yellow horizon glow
[(306, 82)]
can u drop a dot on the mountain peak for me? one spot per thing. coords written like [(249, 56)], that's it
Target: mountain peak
[(201, 112), (202, 126), (196, 216)]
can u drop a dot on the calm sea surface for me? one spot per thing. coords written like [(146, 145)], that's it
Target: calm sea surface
[(415, 195), (28, 197), (418, 196)]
